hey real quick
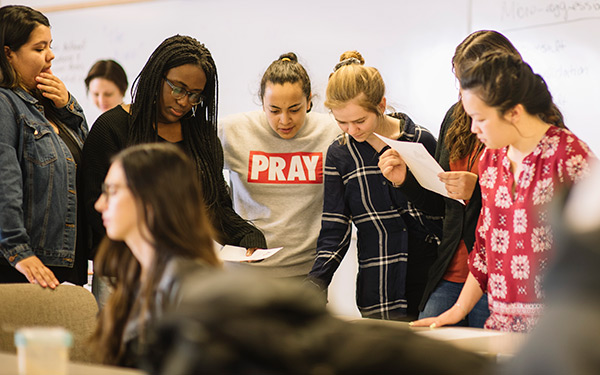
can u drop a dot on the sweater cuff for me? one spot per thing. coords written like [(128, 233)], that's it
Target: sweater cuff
[(254, 239), (410, 186)]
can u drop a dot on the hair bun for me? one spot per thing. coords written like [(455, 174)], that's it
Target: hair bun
[(349, 58), (352, 55), (290, 56)]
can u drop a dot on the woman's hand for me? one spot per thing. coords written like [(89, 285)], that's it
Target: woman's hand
[(250, 251), (460, 185), (469, 295), (392, 166), (53, 88), (35, 271), (451, 316)]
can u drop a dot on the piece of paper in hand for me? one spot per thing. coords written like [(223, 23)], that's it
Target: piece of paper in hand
[(422, 165), (230, 253)]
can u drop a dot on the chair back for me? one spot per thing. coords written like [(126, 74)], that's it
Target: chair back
[(70, 306)]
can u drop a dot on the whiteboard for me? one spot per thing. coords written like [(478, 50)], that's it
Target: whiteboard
[(410, 42), (561, 42)]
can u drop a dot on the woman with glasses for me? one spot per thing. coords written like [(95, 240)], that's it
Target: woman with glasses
[(174, 100), (154, 244), (277, 153), (42, 129)]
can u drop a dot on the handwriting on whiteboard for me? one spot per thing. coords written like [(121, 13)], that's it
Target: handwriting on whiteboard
[(514, 15)]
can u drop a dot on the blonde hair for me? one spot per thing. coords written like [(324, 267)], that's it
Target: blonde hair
[(351, 80)]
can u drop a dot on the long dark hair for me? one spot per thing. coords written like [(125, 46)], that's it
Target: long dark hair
[(17, 22), (459, 140), (199, 132), (163, 181), (502, 81)]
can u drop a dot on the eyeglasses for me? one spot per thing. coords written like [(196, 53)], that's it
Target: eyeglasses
[(111, 189), (194, 98)]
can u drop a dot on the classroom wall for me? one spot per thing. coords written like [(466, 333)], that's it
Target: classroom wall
[(410, 42)]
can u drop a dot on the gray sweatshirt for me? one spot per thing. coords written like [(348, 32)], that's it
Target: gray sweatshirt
[(278, 184)]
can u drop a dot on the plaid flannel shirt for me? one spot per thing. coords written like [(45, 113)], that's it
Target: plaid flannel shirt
[(388, 225)]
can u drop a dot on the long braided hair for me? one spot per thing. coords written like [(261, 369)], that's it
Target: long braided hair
[(199, 131)]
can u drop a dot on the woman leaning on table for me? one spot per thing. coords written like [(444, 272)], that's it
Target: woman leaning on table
[(278, 153), (42, 129), (526, 162), (396, 242), (458, 151), (174, 100)]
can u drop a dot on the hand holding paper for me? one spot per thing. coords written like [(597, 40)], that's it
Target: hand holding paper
[(422, 165), (392, 166), (459, 184), (238, 254)]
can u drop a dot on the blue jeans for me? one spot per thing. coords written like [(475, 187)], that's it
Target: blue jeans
[(445, 296)]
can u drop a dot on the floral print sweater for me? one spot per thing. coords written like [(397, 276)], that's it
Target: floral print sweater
[(514, 241)]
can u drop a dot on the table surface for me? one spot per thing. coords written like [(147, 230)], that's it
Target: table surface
[(484, 341), (8, 366), (499, 344)]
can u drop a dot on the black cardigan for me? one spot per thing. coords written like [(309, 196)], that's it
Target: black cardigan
[(459, 220), (107, 137)]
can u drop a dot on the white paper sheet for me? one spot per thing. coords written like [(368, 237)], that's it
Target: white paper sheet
[(422, 165), (230, 253)]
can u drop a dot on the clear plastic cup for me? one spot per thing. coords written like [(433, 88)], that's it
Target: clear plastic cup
[(43, 350)]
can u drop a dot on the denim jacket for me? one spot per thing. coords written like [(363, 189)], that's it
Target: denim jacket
[(38, 198)]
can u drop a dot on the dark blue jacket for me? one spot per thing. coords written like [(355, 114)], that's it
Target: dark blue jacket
[(38, 196)]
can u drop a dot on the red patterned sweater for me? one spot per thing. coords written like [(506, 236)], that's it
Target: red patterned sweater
[(514, 241)]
